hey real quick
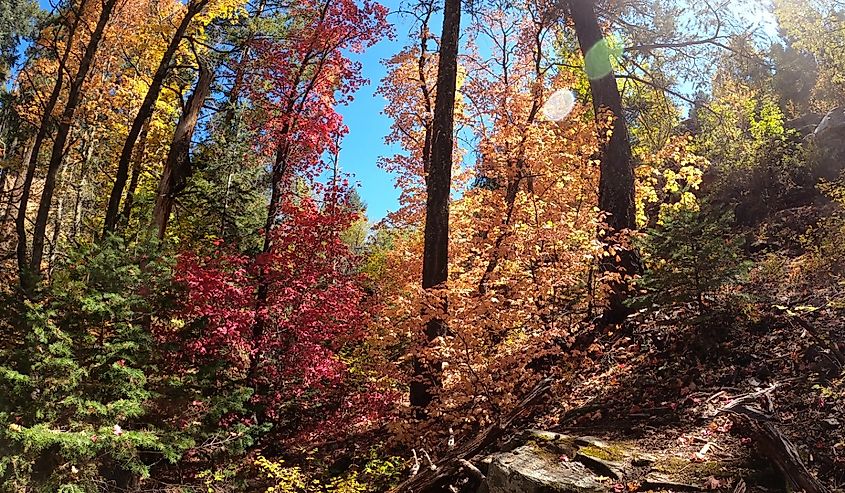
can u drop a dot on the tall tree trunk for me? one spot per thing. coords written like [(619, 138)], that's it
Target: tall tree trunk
[(80, 191), (59, 141), (177, 167), (12, 203), (278, 184), (13, 200), (57, 227), (145, 112), (616, 181), (237, 82), (137, 165), (438, 185), (40, 135)]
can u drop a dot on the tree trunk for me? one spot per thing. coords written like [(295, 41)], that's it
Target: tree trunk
[(12, 196), (237, 82), (144, 113), (59, 141), (438, 185), (13, 200), (177, 167), (137, 165), (79, 186), (278, 183), (31, 164), (57, 227), (616, 181)]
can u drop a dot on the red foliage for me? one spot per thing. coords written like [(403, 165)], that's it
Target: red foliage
[(297, 79), (289, 321), (314, 312)]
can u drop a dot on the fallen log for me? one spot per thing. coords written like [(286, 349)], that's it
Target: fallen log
[(436, 479), (772, 443)]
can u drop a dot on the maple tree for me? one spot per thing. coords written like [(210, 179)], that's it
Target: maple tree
[(314, 312), (294, 82)]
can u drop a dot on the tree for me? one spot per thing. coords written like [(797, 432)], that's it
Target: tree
[(177, 167), (72, 19), (438, 179), (616, 183), (298, 78), (16, 23), (79, 378), (194, 8), (409, 87), (313, 312), (63, 130)]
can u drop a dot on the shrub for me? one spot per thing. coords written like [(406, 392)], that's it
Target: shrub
[(688, 255), (76, 378)]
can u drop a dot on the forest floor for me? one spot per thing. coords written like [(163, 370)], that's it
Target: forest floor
[(662, 379)]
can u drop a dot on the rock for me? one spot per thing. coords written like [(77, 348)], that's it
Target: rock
[(829, 138), (832, 126), (484, 464), (591, 441), (531, 469), (805, 124), (601, 457), (556, 442), (547, 462), (643, 459)]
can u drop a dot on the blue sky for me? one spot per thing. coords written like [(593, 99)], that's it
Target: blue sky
[(368, 126)]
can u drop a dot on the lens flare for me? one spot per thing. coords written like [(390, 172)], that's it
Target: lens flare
[(600, 57), (559, 105)]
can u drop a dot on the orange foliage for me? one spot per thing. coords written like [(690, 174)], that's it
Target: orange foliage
[(522, 231)]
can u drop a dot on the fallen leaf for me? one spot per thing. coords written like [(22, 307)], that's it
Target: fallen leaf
[(712, 483)]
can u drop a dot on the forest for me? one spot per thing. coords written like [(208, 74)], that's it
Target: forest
[(615, 262)]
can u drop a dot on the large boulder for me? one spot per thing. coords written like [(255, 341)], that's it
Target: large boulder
[(805, 125), (829, 139), (548, 462), (532, 469), (832, 127)]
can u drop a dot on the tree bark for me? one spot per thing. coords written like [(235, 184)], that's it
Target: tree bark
[(137, 165), (32, 162), (438, 185), (13, 200), (60, 139), (57, 228), (144, 113), (177, 167), (79, 187), (616, 181)]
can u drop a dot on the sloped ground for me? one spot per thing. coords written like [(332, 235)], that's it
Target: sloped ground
[(657, 387), (660, 381)]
